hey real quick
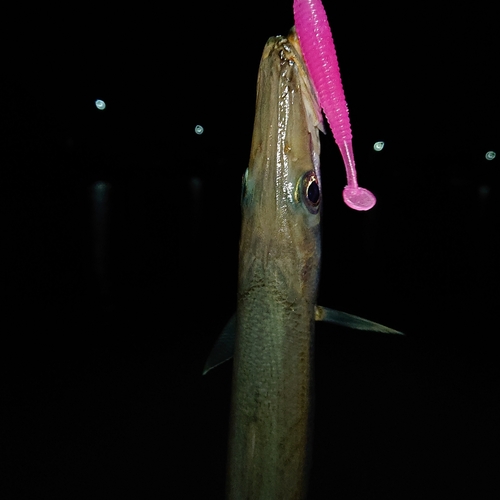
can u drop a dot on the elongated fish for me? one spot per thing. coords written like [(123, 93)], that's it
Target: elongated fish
[(272, 333)]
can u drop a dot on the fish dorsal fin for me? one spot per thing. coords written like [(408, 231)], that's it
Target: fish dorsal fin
[(223, 349), (350, 321)]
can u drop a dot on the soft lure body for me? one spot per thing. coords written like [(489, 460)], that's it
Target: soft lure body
[(272, 333), (319, 53)]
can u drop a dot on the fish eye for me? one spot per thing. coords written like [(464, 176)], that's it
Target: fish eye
[(313, 192), (310, 192)]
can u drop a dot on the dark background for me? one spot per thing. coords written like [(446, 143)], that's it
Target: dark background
[(120, 240)]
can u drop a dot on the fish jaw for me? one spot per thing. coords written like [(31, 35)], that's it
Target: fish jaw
[(278, 278)]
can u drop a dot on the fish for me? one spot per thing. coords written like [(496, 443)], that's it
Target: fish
[(271, 335)]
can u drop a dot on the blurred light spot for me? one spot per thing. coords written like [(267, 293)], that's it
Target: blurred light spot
[(484, 191), (490, 155), (378, 146), (100, 104), (199, 129), (195, 184), (100, 191)]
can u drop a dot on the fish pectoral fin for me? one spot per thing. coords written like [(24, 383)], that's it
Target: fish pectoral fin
[(350, 321), (223, 349)]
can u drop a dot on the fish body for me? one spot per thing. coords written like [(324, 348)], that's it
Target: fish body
[(279, 262), (271, 335)]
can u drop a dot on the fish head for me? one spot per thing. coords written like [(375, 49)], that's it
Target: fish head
[(281, 192)]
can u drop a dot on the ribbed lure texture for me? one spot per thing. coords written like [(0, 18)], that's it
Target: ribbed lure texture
[(320, 57)]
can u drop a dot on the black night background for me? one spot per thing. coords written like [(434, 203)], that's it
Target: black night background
[(120, 249)]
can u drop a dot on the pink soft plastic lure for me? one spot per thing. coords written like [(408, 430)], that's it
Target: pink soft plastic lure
[(317, 46)]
